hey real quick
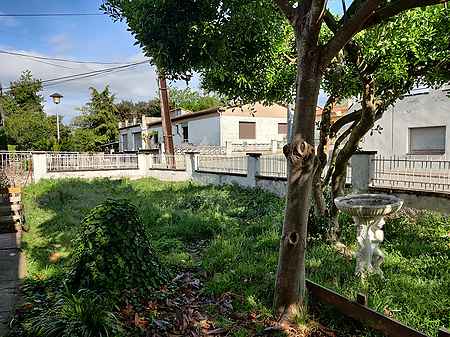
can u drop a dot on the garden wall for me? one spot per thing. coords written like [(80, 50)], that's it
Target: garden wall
[(362, 175)]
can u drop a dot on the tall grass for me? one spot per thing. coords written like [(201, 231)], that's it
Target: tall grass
[(235, 234)]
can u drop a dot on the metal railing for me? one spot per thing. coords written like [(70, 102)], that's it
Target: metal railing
[(15, 168), (429, 173), (60, 162), (248, 147), (222, 164), (202, 149), (273, 166), (276, 166), (168, 162)]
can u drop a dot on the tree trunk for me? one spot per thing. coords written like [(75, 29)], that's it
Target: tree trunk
[(358, 132), (290, 280), (321, 159)]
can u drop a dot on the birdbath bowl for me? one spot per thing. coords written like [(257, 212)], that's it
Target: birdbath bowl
[(368, 212)]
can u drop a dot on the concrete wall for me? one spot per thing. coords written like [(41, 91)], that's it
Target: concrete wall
[(428, 108), (415, 199), (266, 129), (432, 201)]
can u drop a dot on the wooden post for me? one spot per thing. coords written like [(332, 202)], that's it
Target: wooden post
[(361, 299), (165, 116)]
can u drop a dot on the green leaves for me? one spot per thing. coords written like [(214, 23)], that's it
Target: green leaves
[(113, 251)]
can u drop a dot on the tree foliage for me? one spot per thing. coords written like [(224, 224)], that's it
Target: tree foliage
[(25, 123), (98, 122)]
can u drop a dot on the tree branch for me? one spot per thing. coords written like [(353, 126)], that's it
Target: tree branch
[(344, 120), (289, 11), (349, 27), (396, 7)]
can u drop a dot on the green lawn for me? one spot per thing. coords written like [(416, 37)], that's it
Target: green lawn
[(235, 233)]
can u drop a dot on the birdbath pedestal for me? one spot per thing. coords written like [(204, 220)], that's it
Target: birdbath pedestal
[(368, 212)]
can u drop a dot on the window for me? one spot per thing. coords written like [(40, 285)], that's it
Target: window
[(124, 142), (137, 140), (282, 128), (185, 133), (427, 140), (247, 130)]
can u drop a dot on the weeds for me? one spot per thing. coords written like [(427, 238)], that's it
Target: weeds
[(231, 235)]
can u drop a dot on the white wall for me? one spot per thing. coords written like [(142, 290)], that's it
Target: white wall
[(205, 131), (430, 109), (266, 129), (129, 131)]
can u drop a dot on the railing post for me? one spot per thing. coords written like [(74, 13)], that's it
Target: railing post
[(228, 148), (274, 146), (253, 168), (143, 163), (39, 165), (363, 170), (190, 157)]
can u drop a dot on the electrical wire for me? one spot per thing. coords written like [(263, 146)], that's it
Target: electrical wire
[(49, 14), (59, 59), (73, 77)]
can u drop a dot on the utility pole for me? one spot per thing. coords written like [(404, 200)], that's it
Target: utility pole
[(2, 113), (165, 117)]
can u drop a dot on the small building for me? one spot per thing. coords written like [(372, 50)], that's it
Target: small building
[(248, 124), (417, 124)]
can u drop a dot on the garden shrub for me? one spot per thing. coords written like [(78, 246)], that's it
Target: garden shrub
[(83, 314), (113, 251)]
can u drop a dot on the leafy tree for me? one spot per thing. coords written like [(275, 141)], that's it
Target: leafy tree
[(380, 65), (208, 33), (179, 98), (129, 110), (192, 100), (98, 122), (26, 124)]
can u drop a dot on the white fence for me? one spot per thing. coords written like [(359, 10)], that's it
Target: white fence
[(15, 168), (222, 164), (276, 166), (273, 166), (168, 162), (61, 162), (430, 173), (251, 147), (202, 149)]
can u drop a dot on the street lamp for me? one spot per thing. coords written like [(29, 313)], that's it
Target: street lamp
[(57, 99)]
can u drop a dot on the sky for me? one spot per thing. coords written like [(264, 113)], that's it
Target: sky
[(88, 38)]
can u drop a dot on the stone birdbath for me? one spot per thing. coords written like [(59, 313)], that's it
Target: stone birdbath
[(368, 212)]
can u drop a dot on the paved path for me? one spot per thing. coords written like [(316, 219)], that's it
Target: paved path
[(11, 271)]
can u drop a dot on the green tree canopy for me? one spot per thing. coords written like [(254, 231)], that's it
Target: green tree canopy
[(98, 122), (25, 124)]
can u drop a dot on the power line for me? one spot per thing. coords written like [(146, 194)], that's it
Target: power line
[(59, 59), (64, 79), (50, 14)]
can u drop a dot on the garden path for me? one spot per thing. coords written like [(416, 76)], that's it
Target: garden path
[(12, 269)]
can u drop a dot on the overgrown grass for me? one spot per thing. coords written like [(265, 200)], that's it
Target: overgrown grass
[(239, 230)]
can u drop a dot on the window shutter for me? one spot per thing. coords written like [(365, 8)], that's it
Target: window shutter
[(247, 130)]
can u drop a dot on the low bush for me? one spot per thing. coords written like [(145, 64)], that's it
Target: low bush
[(113, 251), (83, 314)]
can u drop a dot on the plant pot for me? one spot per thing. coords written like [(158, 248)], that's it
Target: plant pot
[(11, 214)]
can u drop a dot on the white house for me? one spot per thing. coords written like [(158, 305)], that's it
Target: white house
[(417, 124), (249, 124)]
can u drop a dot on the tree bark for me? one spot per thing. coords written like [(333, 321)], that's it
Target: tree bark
[(290, 280), (366, 122), (321, 159)]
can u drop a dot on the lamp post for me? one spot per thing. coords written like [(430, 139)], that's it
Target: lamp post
[(57, 99)]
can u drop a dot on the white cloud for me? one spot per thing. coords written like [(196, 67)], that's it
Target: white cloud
[(60, 43), (133, 84)]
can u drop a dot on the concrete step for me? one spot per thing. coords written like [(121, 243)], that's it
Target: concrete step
[(7, 210)]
